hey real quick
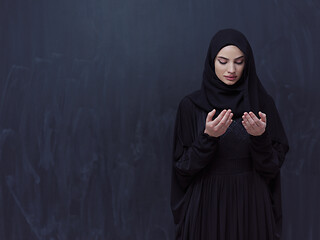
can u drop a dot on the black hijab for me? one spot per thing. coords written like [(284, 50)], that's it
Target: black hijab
[(247, 94)]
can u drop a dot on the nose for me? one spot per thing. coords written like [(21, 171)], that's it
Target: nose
[(231, 68)]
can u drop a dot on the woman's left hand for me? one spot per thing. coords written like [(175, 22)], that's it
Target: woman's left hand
[(253, 125)]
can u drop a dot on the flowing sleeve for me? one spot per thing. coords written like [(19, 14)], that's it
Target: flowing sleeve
[(267, 155), (193, 150), (269, 150)]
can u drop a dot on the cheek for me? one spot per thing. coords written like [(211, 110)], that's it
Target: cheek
[(219, 70), (240, 70)]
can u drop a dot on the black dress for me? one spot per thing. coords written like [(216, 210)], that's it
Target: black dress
[(227, 188), (223, 181)]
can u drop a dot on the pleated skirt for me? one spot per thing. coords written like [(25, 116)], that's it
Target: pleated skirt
[(233, 206)]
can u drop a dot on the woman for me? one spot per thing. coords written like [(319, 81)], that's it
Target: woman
[(229, 145)]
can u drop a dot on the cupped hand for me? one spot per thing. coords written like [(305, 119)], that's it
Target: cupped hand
[(253, 125), (219, 125)]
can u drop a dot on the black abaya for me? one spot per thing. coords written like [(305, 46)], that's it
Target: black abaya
[(227, 187)]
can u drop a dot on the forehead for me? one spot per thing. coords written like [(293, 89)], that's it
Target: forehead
[(230, 51)]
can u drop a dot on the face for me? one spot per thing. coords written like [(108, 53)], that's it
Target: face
[(229, 64)]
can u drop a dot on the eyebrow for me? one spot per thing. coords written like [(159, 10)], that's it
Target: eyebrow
[(228, 58)]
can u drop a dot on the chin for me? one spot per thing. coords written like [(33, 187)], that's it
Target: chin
[(230, 82)]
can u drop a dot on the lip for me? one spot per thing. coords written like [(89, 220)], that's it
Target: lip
[(230, 77)]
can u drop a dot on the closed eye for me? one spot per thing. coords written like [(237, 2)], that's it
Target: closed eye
[(222, 62)]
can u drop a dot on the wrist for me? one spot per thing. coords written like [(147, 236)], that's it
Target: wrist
[(258, 138), (207, 135)]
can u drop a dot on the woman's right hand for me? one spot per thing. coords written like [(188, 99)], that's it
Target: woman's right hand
[(219, 125)]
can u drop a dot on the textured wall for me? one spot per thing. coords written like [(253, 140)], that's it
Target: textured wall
[(88, 94)]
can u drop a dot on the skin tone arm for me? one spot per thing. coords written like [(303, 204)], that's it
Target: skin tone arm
[(219, 125)]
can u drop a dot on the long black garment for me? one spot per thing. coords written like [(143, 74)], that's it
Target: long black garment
[(227, 187)]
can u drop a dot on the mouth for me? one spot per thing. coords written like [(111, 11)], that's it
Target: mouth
[(230, 77)]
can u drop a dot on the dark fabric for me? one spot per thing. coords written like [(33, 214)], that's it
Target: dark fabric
[(215, 93), (206, 176)]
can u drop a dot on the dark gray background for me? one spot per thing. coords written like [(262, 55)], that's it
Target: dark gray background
[(88, 96)]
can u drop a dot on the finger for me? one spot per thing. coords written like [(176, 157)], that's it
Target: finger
[(230, 116), (256, 120), (210, 115), (220, 116), (248, 128), (224, 119), (244, 125), (222, 127), (263, 117), (250, 120), (229, 121), (246, 122)]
